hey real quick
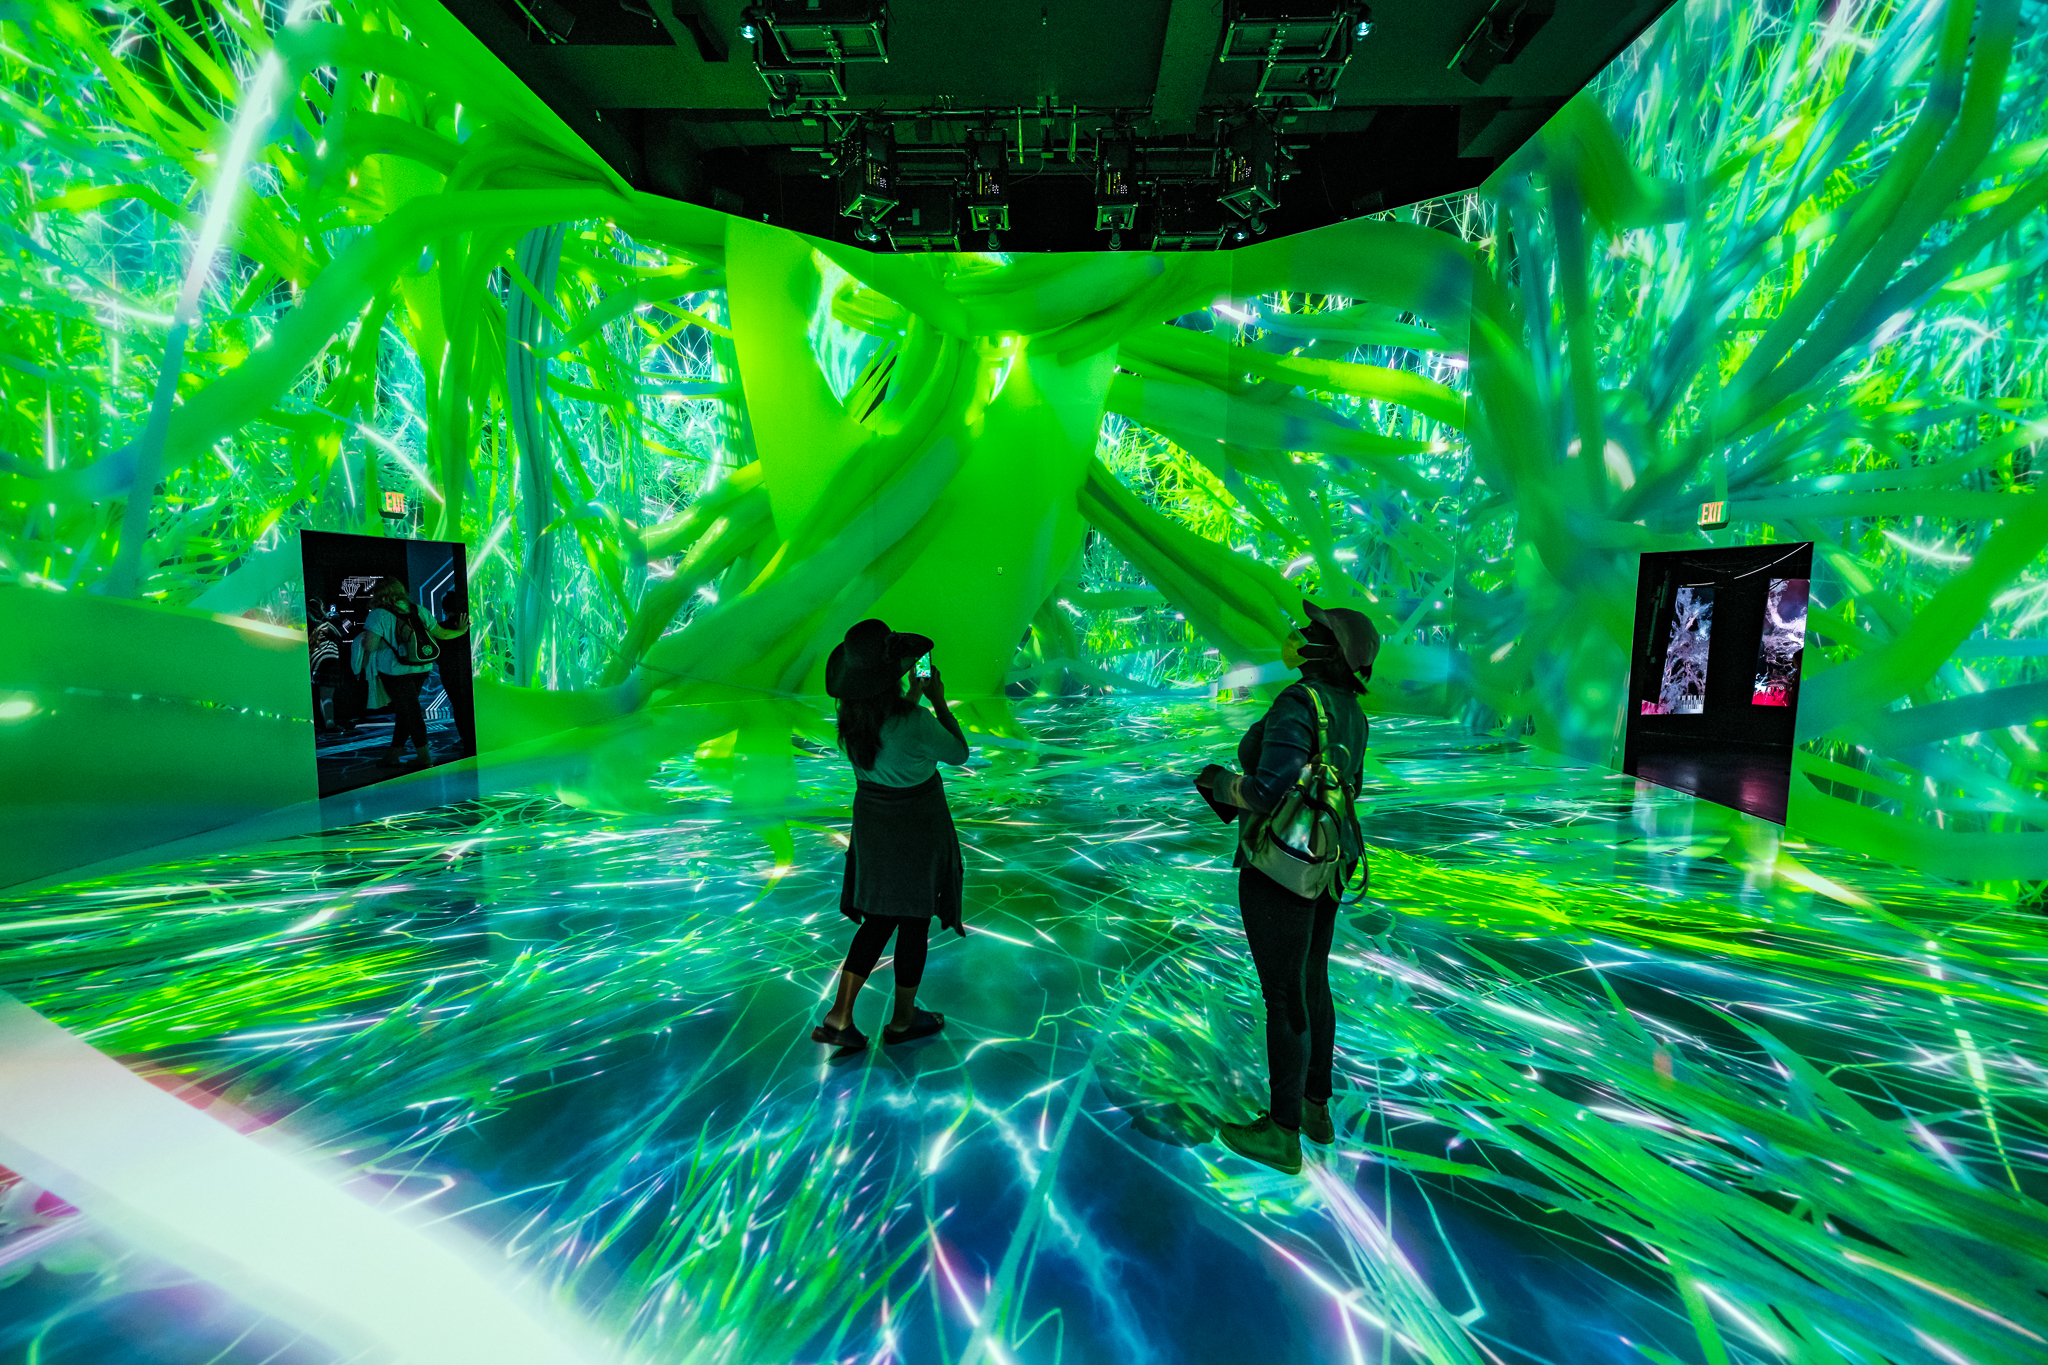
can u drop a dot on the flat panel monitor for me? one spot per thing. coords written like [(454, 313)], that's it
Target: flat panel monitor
[(387, 634), (1714, 674)]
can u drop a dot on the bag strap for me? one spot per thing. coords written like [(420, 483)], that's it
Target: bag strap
[(1350, 797), (1359, 899), (417, 637), (1322, 728), (1322, 749)]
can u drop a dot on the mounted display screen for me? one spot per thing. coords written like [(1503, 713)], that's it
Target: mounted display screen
[(1714, 679), (387, 630)]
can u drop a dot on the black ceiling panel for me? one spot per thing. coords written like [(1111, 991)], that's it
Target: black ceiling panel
[(669, 92)]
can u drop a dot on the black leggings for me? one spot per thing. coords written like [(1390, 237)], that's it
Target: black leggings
[(912, 933), (407, 720), (1290, 943)]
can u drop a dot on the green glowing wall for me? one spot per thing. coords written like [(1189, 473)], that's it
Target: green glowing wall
[(687, 450)]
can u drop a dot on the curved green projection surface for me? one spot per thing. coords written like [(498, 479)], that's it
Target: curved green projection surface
[(686, 449)]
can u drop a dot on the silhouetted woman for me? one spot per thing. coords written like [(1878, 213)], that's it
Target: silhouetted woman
[(903, 863), (324, 639), (1289, 935)]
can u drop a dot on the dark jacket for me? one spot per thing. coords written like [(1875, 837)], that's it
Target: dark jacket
[(1277, 747)]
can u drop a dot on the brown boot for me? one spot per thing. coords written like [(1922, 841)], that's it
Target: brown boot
[(1316, 1126), (1265, 1142)]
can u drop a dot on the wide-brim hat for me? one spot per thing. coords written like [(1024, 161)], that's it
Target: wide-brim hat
[(871, 660), (1357, 637)]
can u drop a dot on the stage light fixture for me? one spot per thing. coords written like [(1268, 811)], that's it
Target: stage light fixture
[(1303, 46), (1187, 218), (1254, 164), (801, 48), (795, 89), (927, 219), (867, 177), (1116, 186), (988, 194), (1499, 37), (821, 32)]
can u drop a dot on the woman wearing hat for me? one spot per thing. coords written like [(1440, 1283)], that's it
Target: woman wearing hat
[(903, 863), (1290, 934)]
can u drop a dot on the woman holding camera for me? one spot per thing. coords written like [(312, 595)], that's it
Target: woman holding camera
[(903, 864), (1315, 721)]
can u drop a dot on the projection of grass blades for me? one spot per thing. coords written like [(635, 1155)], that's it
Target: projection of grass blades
[(1444, 482), (1830, 324), (1817, 1145)]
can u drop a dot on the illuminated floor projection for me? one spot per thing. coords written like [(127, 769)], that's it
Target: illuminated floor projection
[(1624, 1077)]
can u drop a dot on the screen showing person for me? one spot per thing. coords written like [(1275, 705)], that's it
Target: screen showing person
[(388, 641)]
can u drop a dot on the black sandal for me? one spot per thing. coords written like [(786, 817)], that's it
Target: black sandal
[(848, 1037), (923, 1024)]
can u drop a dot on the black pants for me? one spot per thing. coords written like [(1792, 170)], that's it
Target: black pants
[(912, 937), (407, 720), (351, 699), (1290, 943)]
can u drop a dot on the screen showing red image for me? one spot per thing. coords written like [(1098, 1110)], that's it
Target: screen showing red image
[(1784, 641)]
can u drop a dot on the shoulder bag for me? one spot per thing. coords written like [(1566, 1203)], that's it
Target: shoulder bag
[(1297, 844), (414, 645)]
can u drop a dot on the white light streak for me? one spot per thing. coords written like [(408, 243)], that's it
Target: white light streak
[(1928, 552), (156, 1173), (1741, 1319)]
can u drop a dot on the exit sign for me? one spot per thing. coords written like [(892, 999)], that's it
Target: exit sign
[(1713, 515), (394, 504)]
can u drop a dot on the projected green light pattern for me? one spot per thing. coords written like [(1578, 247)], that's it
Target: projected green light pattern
[(687, 450), (1623, 1077)]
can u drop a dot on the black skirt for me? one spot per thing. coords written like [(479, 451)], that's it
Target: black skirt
[(904, 857)]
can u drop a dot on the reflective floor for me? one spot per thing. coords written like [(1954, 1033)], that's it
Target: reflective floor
[(1758, 784), (354, 756), (1624, 1077)]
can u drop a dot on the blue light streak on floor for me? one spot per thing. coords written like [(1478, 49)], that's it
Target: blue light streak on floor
[(584, 1038)]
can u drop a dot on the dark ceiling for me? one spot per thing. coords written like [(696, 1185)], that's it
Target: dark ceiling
[(669, 92)]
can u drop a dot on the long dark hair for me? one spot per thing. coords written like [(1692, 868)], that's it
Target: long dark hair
[(861, 720)]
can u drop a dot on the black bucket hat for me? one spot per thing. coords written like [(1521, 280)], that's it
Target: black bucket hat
[(870, 661), (1357, 637)]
